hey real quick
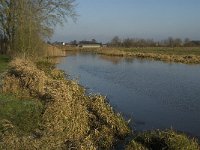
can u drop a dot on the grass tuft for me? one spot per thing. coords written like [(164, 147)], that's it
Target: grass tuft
[(167, 140)]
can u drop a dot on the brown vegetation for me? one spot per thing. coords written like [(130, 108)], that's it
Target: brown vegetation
[(53, 51), (70, 119), (167, 139)]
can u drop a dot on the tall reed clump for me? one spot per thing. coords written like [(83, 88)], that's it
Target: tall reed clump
[(70, 119), (53, 51)]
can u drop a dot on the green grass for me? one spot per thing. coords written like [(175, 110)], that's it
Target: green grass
[(4, 60), (24, 114)]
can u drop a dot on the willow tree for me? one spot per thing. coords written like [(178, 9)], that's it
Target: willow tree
[(24, 24)]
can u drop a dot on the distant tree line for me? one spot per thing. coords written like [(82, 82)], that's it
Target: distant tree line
[(75, 42), (24, 24), (139, 42)]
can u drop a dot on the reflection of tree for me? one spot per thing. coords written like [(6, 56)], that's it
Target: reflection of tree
[(70, 53), (114, 60), (132, 59), (94, 41), (129, 60), (116, 41)]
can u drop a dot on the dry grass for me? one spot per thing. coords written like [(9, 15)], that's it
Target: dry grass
[(183, 58), (180, 55), (70, 118), (167, 140), (135, 146), (53, 51)]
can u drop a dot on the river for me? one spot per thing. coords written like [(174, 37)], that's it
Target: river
[(153, 94)]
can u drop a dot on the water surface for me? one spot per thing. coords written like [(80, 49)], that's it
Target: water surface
[(153, 94)]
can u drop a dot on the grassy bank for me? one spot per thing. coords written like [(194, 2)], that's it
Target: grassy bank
[(45, 111), (187, 55), (24, 113), (40, 109), (4, 60)]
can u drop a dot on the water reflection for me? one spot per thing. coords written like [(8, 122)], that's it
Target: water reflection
[(153, 93), (114, 60)]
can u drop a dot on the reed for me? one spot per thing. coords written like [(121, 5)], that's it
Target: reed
[(53, 51)]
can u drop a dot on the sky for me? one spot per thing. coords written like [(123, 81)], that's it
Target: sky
[(149, 19)]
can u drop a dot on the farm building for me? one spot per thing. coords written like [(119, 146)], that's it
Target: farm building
[(89, 44)]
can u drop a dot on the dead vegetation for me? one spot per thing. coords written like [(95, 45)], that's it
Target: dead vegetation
[(53, 51), (185, 56), (70, 119), (187, 59), (165, 140)]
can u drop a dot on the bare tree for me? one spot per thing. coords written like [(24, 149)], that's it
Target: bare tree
[(25, 23), (116, 41), (177, 42)]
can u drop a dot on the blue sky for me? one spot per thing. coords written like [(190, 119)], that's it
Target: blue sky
[(156, 19)]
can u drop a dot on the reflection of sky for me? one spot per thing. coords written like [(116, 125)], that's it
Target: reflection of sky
[(103, 19)]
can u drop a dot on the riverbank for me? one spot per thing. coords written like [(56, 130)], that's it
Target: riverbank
[(187, 55), (43, 110), (66, 116)]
